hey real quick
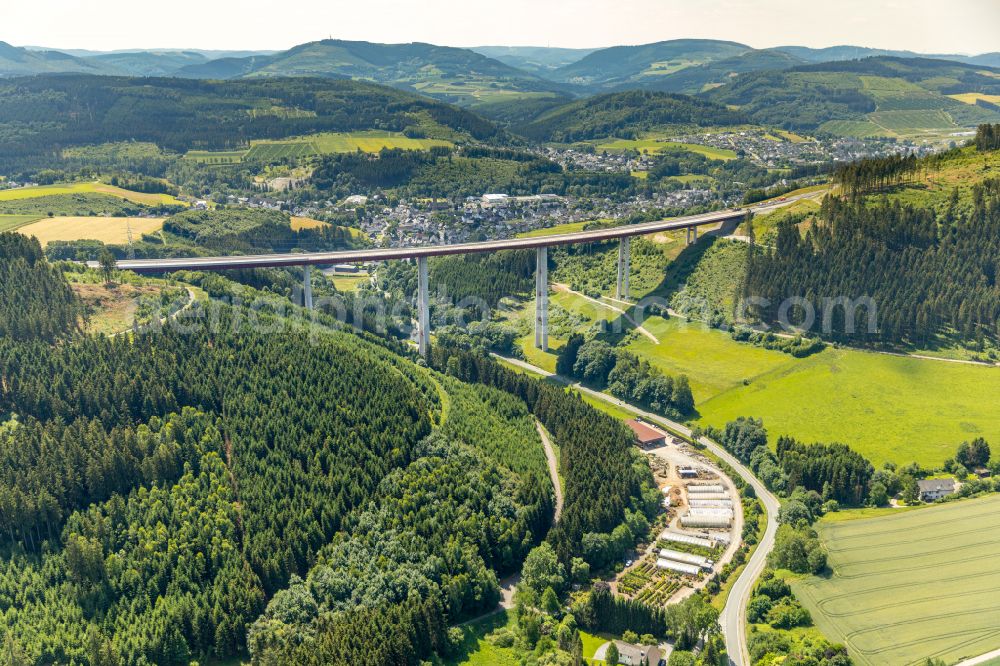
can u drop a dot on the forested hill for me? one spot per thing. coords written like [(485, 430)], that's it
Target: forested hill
[(807, 96), (16, 61), (624, 114), (644, 63), (437, 71), (926, 262), (247, 482), (41, 115)]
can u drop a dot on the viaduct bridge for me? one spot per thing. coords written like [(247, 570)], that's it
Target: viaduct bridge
[(728, 218)]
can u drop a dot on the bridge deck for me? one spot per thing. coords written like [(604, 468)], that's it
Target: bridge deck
[(381, 254)]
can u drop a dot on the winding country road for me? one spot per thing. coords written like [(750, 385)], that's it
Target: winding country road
[(550, 457), (733, 616)]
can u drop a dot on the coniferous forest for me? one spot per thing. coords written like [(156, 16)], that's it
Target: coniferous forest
[(918, 270), (300, 496)]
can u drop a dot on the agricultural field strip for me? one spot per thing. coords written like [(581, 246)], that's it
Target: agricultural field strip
[(873, 619)]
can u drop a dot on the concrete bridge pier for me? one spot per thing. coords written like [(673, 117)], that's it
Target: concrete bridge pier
[(542, 298), (307, 287), (423, 308), (692, 235), (624, 268)]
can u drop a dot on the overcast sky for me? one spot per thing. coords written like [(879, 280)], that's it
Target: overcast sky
[(960, 26)]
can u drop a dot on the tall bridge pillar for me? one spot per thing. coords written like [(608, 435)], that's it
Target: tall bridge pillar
[(542, 298), (692, 235), (423, 308), (624, 268), (307, 287)]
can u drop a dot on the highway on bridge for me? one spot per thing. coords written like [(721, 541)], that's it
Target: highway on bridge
[(382, 254)]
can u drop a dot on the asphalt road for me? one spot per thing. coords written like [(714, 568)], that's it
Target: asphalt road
[(733, 616), (381, 254)]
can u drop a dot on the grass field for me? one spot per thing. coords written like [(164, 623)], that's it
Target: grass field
[(12, 222), (215, 156), (348, 283), (924, 583), (913, 122), (323, 143), (568, 228), (105, 229), (791, 136), (88, 188), (654, 145), (886, 407), (854, 128)]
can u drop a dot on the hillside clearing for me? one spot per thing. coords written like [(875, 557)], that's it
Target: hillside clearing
[(657, 145)]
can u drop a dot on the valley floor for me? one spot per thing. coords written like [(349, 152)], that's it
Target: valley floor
[(888, 408)]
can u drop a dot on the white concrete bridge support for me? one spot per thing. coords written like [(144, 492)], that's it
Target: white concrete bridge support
[(692, 235), (542, 298), (423, 308), (624, 268), (307, 287)]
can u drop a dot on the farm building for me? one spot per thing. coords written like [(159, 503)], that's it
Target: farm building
[(707, 520), (648, 437), (706, 488), (673, 565), (687, 472), (933, 489), (677, 537), (710, 511), (714, 503), (687, 558), (708, 496)]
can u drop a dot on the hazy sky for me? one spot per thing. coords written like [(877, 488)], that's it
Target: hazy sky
[(963, 26)]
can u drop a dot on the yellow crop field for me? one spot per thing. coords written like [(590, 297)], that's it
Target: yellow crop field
[(972, 98), (300, 223), (88, 188), (112, 230)]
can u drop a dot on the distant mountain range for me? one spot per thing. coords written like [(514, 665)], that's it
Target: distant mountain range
[(540, 60), (686, 65), (792, 86)]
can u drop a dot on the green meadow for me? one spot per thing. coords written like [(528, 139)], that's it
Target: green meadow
[(913, 585), (568, 228), (888, 408), (12, 222), (323, 143), (655, 145)]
